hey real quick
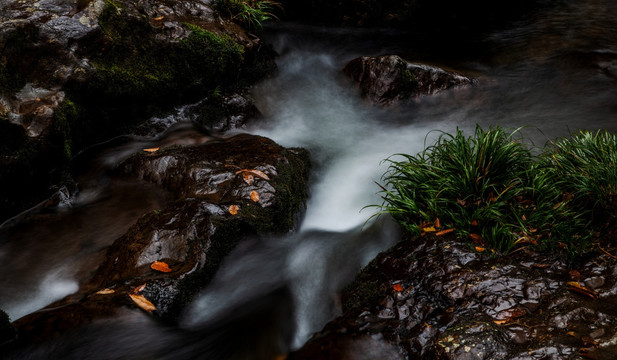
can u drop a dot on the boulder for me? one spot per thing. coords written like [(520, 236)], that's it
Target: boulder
[(75, 73), (434, 297), (227, 190), (388, 80), (7, 332)]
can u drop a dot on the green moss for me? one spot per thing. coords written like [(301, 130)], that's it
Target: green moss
[(65, 118)]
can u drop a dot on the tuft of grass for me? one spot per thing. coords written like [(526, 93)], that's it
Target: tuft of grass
[(489, 188), (250, 13)]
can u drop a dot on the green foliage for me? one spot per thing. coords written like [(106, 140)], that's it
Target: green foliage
[(250, 13), (491, 185)]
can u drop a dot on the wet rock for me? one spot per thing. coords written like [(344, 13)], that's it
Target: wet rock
[(221, 113), (517, 307), (7, 332), (192, 235), (75, 73), (387, 80)]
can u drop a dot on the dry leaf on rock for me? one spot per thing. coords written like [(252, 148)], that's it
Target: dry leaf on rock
[(254, 196), (151, 150), (259, 174), (142, 302), (139, 288), (105, 291), (160, 266), (397, 287), (233, 209)]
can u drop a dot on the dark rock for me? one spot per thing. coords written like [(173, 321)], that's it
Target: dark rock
[(7, 332), (459, 304), (387, 80), (192, 235)]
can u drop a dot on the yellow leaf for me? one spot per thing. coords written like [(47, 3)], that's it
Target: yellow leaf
[(429, 229), (160, 266), (254, 196), (480, 249), (158, 18), (151, 150), (572, 333), (233, 209), (106, 291), (500, 322), (142, 302)]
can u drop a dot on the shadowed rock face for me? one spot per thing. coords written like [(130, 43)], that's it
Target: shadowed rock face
[(192, 235), (436, 298), (75, 73), (387, 80)]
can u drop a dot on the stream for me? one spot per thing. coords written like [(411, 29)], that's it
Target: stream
[(270, 295)]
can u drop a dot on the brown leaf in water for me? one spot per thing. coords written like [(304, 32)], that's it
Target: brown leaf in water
[(233, 209), (254, 196), (105, 291), (160, 266), (142, 302)]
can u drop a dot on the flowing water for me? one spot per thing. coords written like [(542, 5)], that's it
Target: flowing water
[(554, 73)]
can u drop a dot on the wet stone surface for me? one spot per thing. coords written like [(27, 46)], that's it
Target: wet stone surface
[(434, 297)]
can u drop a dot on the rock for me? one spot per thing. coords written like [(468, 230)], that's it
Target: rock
[(192, 235), (76, 73), (387, 80), (7, 332), (459, 304)]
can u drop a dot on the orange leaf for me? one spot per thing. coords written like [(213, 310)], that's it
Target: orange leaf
[(480, 249), (474, 223), (429, 229), (248, 178), (142, 302), (443, 232), (233, 209), (106, 291), (500, 322), (160, 266), (139, 288), (437, 223), (571, 333), (254, 172), (255, 196), (574, 274), (476, 238), (541, 266), (158, 18), (151, 150), (580, 289), (397, 287)]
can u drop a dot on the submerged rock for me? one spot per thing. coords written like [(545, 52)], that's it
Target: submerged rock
[(436, 298), (227, 190), (387, 80)]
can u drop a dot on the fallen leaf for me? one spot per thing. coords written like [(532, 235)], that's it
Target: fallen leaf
[(476, 238), (461, 202), (523, 217), (397, 287), (571, 333), (541, 266), (588, 341), (480, 249), (437, 223), (151, 150), (254, 172), (588, 353), (233, 209), (160, 266), (574, 275), (562, 245), (255, 196), (500, 322), (429, 229), (142, 302), (474, 223), (580, 289), (139, 288), (106, 291), (443, 232), (248, 178), (158, 18)]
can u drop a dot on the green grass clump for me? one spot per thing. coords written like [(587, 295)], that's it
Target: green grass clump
[(490, 188), (250, 13)]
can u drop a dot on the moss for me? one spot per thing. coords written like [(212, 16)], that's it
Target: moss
[(408, 85), (65, 118), (365, 289)]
